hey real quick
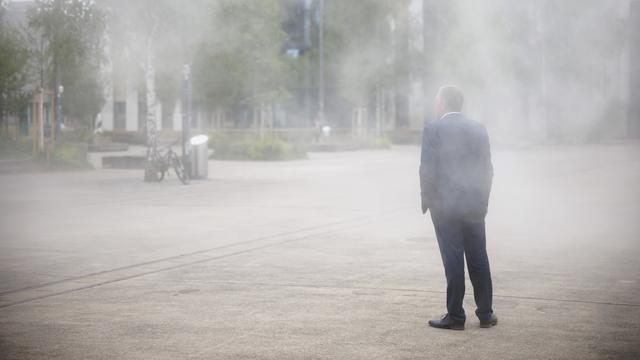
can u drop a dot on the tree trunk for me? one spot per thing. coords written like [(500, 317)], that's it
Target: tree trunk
[(402, 78)]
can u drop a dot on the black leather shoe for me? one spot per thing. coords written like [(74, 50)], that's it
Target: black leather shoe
[(446, 323), (492, 321)]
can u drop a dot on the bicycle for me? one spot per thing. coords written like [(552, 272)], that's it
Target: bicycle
[(159, 163)]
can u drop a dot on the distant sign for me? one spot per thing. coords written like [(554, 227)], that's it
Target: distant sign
[(294, 53)]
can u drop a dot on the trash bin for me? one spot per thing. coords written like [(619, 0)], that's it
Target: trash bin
[(199, 157)]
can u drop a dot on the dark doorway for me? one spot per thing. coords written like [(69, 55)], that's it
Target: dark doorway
[(119, 115)]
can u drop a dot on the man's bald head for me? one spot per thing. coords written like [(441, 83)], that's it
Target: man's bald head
[(449, 99)]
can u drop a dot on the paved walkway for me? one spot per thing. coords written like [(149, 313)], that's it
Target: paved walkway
[(326, 258)]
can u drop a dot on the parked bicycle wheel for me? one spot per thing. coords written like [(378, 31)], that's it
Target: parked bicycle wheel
[(154, 171), (179, 168), (161, 173)]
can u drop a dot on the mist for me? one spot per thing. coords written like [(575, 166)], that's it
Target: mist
[(248, 179), (534, 71), (541, 70)]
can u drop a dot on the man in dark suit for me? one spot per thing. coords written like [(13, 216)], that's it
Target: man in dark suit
[(455, 181)]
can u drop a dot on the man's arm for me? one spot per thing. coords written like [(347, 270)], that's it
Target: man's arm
[(428, 167), (485, 152)]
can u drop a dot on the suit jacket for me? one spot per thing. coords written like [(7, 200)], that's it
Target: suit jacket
[(455, 167)]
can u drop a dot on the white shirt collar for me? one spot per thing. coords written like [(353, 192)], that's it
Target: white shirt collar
[(449, 113)]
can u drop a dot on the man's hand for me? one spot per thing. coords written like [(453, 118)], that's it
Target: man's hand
[(425, 203)]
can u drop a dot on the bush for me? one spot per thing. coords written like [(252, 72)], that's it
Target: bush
[(243, 147), (381, 142), (77, 136), (15, 148), (66, 155), (272, 148), (374, 143), (228, 146), (70, 156)]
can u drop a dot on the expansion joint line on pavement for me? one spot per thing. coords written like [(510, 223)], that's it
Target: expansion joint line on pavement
[(339, 226), (412, 290), (197, 252)]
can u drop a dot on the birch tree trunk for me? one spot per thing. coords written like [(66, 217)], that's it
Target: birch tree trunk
[(150, 79)]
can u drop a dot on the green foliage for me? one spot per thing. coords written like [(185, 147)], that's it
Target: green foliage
[(160, 27), (243, 147), (359, 42), (220, 79), (273, 148), (84, 98), (228, 146), (13, 69), (241, 63), (83, 135), (15, 148), (70, 156), (381, 142), (72, 32)]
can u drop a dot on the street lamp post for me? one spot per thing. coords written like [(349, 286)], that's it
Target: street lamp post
[(186, 115), (59, 109), (307, 64), (55, 131), (321, 62)]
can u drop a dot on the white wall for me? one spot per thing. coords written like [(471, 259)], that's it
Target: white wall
[(106, 115), (132, 107), (177, 117)]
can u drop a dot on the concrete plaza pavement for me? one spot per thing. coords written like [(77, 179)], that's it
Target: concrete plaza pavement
[(324, 258)]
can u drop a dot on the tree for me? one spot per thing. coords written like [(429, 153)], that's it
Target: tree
[(242, 63), (367, 52), (581, 40), (155, 38), (73, 33), (13, 75)]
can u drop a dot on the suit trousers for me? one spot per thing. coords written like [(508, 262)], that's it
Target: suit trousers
[(459, 238)]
